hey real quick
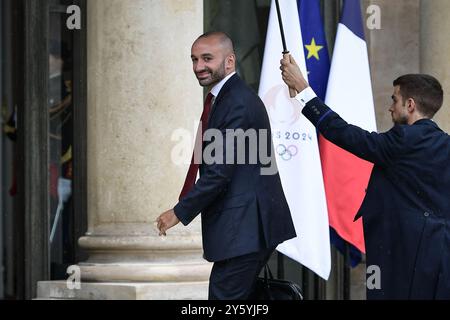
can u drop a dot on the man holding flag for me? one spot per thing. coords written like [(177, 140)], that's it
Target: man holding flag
[(406, 209), (305, 159)]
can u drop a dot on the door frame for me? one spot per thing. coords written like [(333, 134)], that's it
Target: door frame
[(34, 145)]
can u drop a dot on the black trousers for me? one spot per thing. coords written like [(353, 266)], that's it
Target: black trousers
[(234, 278)]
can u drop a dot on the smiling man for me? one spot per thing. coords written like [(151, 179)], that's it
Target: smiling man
[(406, 210), (213, 59), (244, 212)]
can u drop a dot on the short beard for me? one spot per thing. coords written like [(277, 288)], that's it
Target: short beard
[(216, 76), (401, 121)]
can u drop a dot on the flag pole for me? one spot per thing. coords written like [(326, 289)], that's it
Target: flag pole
[(280, 22), (292, 92)]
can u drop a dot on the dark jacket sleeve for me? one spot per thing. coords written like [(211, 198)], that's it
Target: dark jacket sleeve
[(378, 148), (216, 176)]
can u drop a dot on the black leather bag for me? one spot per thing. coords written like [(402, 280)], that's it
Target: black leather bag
[(268, 288)]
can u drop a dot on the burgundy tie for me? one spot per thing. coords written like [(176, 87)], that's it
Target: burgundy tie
[(193, 167)]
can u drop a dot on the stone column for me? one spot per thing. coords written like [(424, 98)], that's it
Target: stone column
[(394, 50), (435, 50), (140, 89)]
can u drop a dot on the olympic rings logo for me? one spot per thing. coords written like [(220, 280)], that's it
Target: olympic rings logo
[(286, 153)]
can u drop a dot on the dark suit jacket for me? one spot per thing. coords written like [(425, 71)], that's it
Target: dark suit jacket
[(406, 210), (242, 210)]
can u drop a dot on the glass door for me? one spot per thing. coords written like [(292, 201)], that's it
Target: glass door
[(60, 135), (66, 120)]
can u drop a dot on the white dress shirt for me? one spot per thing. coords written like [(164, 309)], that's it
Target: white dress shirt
[(305, 96), (216, 89)]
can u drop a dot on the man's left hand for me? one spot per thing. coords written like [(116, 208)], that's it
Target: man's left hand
[(166, 221)]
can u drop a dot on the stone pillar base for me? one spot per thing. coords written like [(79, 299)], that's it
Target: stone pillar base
[(124, 291)]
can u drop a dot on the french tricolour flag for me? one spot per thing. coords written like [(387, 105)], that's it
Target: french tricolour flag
[(349, 93)]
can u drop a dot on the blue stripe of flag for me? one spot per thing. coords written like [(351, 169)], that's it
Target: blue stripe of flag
[(313, 34), (351, 17)]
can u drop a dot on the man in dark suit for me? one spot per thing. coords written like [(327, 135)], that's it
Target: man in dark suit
[(244, 211), (406, 210)]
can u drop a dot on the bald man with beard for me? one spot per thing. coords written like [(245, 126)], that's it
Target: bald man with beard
[(244, 211)]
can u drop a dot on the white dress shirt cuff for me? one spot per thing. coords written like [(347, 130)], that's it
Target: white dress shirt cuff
[(305, 96)]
